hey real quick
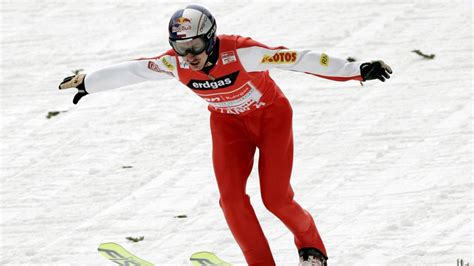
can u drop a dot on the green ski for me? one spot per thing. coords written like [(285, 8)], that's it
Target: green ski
[(208, 259), (119, 255)]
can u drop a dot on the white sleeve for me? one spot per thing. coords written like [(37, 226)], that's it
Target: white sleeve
[(128, 73), (256, 58)]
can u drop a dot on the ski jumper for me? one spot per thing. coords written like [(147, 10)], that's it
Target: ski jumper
[(248, 112)]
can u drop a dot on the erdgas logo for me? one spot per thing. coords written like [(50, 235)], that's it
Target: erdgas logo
[(218, 83)]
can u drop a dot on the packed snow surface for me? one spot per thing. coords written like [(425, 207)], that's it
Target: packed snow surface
[(386, 169)]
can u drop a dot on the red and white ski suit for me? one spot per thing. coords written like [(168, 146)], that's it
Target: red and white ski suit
[(248, 111)]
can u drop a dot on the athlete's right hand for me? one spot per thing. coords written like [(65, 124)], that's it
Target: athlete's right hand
[(375, 70), (76, 81)]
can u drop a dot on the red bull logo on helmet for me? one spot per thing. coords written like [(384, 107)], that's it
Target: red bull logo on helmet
[(181, 24), (183, 20)]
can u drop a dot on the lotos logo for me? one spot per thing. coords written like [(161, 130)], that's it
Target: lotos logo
[(218, 83), (280, 58), (181, 24)]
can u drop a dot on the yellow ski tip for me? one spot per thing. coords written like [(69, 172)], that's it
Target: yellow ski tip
[(119, 255), (207, 258)]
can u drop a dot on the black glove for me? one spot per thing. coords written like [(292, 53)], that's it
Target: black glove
[(375, 70), (76, 81)]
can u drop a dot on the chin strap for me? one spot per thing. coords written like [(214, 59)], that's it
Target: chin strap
[(213, 55)]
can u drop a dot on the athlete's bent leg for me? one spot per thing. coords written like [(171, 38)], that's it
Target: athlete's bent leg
[(275, 165), (233, 154)]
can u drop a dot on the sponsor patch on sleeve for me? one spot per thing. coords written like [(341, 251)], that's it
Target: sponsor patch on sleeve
[(286, 57), (228, 57), (154, 67), (324, 60), (167, 64)]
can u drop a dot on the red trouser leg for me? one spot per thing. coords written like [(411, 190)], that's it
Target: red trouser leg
[(275, 144), (234, 142), (233, 153)]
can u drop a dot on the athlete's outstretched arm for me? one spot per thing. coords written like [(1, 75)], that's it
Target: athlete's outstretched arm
[(120, 75), (259, 57)]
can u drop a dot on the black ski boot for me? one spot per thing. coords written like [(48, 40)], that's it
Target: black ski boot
[(311, 257)]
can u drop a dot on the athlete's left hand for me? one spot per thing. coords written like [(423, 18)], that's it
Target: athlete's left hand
[(76, 81), (375, 70)]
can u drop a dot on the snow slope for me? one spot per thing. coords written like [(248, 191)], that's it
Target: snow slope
[(386, 169)]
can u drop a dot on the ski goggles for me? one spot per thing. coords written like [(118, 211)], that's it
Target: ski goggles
[(190, 46)]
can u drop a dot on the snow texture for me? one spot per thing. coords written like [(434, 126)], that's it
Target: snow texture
[(386, 169)]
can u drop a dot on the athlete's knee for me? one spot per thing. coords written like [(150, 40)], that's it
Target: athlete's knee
[(234, 202), (276, 204)]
